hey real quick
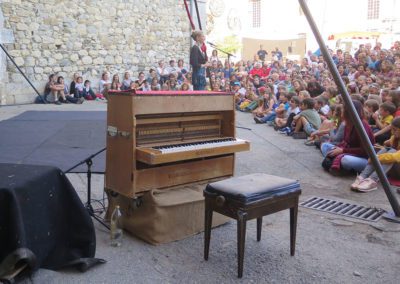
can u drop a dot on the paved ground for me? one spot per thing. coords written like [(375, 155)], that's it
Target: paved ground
[(330, 248)]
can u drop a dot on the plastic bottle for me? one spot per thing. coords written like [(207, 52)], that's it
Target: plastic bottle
[(116, 227)]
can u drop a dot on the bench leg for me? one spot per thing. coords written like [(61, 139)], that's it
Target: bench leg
[(293, 227), (259, 225), (207, 229), (241, 237)]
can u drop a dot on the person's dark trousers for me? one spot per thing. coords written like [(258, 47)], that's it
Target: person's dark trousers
[(79, 94), (163, 79), (72, 100), (380, 139), (290, 120)]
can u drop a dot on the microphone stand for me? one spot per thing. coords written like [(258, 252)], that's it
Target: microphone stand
[(88, 205)]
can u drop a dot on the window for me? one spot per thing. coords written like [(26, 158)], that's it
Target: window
[(373, 9), (255, 13)]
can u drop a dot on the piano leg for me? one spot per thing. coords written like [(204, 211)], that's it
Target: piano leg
[(207, 229)]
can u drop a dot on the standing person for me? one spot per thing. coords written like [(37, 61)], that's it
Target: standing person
[(198, 60), (262, 53)]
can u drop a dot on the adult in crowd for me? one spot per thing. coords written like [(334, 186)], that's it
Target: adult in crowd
[(262, 53)]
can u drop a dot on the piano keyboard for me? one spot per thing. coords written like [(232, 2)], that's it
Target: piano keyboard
[(199, 145), (192, 150)]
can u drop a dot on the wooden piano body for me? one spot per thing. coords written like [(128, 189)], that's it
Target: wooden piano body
[(142, 126)]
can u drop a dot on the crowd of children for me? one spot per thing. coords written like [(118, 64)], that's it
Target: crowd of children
[(300, 100)]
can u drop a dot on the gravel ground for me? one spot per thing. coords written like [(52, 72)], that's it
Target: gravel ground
[(330, 248)]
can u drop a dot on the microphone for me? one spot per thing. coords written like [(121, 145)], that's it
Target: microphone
[(210, 43)]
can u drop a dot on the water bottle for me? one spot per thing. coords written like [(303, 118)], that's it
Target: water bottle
[(116, 227)]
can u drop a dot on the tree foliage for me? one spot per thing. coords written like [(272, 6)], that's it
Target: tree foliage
[(230, 44)]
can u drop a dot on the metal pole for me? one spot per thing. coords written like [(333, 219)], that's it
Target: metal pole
[(198, 14), (353, 114), (19, 69)]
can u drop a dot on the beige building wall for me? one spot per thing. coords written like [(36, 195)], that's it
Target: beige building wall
[(289, 48)]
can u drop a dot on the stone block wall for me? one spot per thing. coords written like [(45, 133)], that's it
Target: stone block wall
[(89, 37)]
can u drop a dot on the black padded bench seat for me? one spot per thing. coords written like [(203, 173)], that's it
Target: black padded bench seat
[(249, 197)]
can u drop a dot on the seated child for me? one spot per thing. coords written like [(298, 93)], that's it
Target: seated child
[(328, 127), (79, 87), (383, 118), (266, 102), (304, 95), (286, 123), (331, 93), (322, 107), (272, 105), (389, 156), (308, 120), (370, 107), (87, 91), (282, 111), (251, 98)]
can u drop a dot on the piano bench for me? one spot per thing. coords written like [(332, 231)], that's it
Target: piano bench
[(249, 197)]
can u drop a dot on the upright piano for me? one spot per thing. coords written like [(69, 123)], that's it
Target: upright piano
[(162, 139)]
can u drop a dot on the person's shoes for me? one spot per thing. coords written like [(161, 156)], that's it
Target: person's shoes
[(355, 184), (299, 135), (367, 185), (309, 143), (258, 120), (283, 130), (64, 101), (276, 127), (80, 101), (57, 103)]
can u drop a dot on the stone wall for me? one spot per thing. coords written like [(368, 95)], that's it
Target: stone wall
[(89, 37)]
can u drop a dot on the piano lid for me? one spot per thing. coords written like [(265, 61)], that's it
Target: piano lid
[(168, 93)]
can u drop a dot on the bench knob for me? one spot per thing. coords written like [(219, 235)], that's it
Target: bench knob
[(220, 200)]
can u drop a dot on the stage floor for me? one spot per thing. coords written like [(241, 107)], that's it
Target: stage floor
[(55, 138)]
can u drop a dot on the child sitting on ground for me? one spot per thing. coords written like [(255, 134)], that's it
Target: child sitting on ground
[(286, 123), (268, 101), (328, 127), (88, 93), (282, 110), (331, 93), (322, 107), (79, 87), (370, 107), (383, 118), (307, 121), (389, 156), (269, 117)]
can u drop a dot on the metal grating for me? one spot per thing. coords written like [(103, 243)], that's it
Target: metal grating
[(344, 208)]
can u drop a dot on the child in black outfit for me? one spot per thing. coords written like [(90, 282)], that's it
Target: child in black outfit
[(87, 92)]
